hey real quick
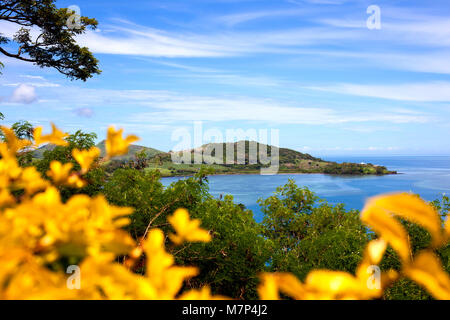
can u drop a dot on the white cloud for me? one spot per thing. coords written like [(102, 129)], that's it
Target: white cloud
[(24, 94), (188, 108), (238, 18), (126, 38), (171, 107), (418, 92)]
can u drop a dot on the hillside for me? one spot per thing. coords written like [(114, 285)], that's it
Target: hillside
[(290, 161), (39, 152), (132, 151)]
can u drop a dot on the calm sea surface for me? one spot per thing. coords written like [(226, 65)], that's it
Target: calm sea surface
[(427, 176)]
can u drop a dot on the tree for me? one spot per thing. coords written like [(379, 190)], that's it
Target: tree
[(55, 45), (420, 238), (310, 234), (230, 263), (22, 130), (78, 140)]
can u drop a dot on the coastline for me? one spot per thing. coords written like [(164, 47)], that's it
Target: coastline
[(283, 173)]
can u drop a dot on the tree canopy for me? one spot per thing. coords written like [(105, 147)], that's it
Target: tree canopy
[(55, 44)]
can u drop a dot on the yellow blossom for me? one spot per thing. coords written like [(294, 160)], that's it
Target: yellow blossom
[(86, 157), (163, 275), (390, 229), (14, 144), (6, 198), (56, 137), (116, 145), (201, 294), (187, 229), (59, 172), (268, 290), (38, 229), (75, 181), (427, 270), (327, 285), (31, 180), (414, 209)]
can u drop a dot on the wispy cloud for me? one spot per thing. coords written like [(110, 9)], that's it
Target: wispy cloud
[(24, 94), (421, 92)]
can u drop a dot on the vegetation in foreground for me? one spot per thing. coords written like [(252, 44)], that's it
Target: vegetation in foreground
[(129, 238)]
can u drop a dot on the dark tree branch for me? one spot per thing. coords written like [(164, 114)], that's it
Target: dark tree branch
[(55, 46)]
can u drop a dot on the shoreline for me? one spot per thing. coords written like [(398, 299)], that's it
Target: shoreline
[(284, 173)]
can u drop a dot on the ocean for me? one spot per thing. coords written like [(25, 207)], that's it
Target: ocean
[(428, 176)]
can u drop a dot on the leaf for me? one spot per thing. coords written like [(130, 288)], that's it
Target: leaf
[(427, 270)]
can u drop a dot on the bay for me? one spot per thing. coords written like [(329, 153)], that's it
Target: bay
[(428, 176)]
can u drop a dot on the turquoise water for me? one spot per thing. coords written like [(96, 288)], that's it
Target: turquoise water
[(427, 176)]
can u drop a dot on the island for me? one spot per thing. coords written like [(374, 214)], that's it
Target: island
[(290, 161)]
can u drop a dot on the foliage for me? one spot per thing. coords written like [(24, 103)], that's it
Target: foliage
[(308, 249), (64, 154), (355, 169), (382, 214), (42, 237), (22, 130), (55, 45), (310, 235), (231, 262)]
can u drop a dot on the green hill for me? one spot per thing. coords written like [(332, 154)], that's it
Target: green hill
[(39, 153), (290, 161), (133, 149)]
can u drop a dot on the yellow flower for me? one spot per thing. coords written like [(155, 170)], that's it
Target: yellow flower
[(14, 144), (86, 157), (37, 229), (327, 285), (379, 215), (290, 285), (187, 229), (56, 137), (427, 271), (372, 256), (59, 172), (161, 272), (390, 229), (116, 145), (201, 294), (31, 180), (75, 181), (414, 209), (6, 198), (268, 289), (101, 278), (9, 170)]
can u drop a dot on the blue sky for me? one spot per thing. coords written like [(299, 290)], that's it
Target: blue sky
[(311, 69)]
